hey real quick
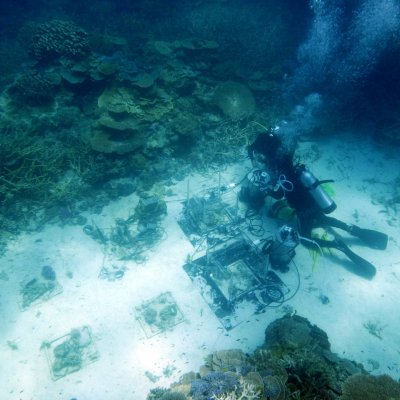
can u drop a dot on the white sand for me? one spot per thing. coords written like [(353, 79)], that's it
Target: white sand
[(363, 173)]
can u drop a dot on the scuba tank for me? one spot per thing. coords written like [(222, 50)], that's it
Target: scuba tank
[(313, 185), (280, 249)]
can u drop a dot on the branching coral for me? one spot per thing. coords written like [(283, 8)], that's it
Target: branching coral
[(28, 164), (375, 328), (274, 387), (42, 168), (213, 385), (246, 391), (221, 145)]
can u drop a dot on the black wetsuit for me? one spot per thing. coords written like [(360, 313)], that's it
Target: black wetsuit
[(308, 213), (287, 175)]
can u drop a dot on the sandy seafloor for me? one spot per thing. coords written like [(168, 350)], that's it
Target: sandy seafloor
[(364, 173)]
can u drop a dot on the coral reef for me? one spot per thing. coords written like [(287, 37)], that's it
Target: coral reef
[(34, 88), (212, 385), (295, 333), (303, 350), (28, 164), (56, 38), (226, 360), (126, 115), (295, 361), (101, 108), (173, 396), (244, 391), (368, 387)]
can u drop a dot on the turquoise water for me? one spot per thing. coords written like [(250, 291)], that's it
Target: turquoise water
[(126, 258)]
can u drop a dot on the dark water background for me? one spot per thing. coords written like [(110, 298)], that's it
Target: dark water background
[(347, 50)]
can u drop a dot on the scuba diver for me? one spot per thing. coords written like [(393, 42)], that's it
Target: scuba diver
[(275, 174)]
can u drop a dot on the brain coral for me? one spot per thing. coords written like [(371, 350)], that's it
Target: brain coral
[(235, 100), (34, 88), (55, 38)]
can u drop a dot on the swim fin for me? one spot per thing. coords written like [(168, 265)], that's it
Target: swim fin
[(376, 240), (362, 267)]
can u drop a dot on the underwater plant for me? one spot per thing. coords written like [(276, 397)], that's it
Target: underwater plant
[(375, 328)]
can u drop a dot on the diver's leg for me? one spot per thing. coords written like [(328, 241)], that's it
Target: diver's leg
[(362, 267), (324, 220), (372, 238)]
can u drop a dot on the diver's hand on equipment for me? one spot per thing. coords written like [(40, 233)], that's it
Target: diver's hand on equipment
[(260, 178)]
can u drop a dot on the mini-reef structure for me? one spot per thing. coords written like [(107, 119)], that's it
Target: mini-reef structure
[(70, 352)]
